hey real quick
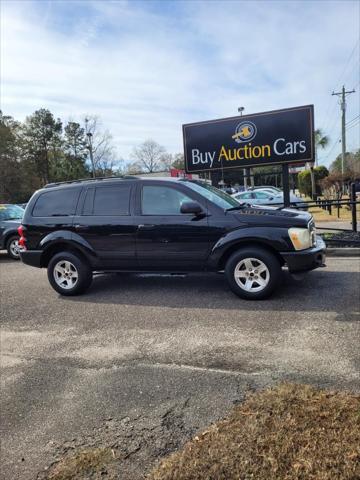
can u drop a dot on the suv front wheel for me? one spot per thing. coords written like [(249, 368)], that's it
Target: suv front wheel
[(68, 274), (253, 273)]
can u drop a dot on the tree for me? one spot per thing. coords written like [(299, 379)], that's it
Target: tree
[(75, 141), (41, 134), (305, 180), (352, 164), (100, 142), (10, 179), (75, 149), (321, 141), (147, 156), (179, 162), (166, 162)]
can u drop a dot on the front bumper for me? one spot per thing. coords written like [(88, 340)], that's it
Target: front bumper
[(31, 257), (303, 260)]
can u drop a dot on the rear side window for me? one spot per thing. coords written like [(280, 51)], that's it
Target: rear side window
[(57, 203), (114, 200)]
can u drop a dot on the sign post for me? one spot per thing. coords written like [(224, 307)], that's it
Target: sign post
[(279, 137), (286, 186)]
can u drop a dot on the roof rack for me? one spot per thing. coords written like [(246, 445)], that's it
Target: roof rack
[(81, 180)]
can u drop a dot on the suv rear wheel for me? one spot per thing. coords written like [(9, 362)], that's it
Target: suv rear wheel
[(69, 274), (12, 247), (253, 273)]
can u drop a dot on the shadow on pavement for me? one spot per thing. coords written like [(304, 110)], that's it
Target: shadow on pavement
[(317, 291)]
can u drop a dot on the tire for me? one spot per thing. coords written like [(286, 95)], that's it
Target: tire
[(69, 274), (12, 247), (253, 273)]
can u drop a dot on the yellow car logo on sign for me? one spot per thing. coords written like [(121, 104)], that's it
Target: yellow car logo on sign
[(244, 132)]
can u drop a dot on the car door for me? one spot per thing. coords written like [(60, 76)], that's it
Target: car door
[(166, 239), (106, 224), (262, 198)]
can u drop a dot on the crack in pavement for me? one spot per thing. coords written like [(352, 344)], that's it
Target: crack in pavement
[(136, 441)]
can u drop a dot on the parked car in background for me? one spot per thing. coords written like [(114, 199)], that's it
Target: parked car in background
[(267, 197), (277, 191), (10, 220), (267, 187), (255, 198)]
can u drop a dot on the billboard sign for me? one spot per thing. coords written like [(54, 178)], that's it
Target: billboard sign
[(279, 136)]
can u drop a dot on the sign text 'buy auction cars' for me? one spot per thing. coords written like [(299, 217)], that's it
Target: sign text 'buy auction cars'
[(281, 136)]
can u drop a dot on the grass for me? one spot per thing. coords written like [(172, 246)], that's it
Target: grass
[(321, 215), (290, 432), (84, 464)]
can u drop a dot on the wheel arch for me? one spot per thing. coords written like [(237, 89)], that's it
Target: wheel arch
[(241, 244), (58, 247), (8, 235)]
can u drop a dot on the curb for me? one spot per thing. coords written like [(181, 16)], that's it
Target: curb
[(343, 252)]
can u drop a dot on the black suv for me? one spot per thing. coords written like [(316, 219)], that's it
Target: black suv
[(133, 224)]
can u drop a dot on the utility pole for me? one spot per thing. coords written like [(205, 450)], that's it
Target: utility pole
[(89, 135), (343, 95), (246, 171), (90, 147)]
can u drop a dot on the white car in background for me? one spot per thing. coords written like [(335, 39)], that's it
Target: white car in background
[(268, 197)]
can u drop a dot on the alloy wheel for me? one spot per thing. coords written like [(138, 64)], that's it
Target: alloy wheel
[(65, 274), (251, 274), (14, 248)]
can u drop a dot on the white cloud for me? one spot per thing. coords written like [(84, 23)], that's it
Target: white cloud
[(146, 71)]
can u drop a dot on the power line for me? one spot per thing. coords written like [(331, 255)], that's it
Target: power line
[(347, 63), (332, 148), (354, 125), (338, 140), (329, 115), (350, 121)]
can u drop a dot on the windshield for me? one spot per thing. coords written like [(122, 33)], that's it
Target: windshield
[(213, 194), (11, 212)]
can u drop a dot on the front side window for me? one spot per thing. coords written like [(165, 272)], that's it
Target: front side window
[(246, 195), (262, 195), (57, 203), (114, 200), (161, 200)]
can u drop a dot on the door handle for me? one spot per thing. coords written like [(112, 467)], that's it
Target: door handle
[(81, 227), (146, 226)]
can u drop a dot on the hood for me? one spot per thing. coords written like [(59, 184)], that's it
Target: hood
[(272, 216)]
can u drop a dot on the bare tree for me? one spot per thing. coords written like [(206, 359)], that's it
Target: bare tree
[(166, 162), (134, 168), (178, 161), (100, 143), (148, 155)]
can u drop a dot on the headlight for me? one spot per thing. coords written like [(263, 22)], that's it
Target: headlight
[(300, 237)]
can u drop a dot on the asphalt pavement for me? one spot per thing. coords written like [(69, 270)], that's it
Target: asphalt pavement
[(143, 362)]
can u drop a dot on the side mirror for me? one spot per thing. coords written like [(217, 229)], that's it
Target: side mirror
[(191, 207)]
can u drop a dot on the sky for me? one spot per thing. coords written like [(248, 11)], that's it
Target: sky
[(147, 67)]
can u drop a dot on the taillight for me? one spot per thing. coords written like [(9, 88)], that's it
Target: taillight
[(22, 239)]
